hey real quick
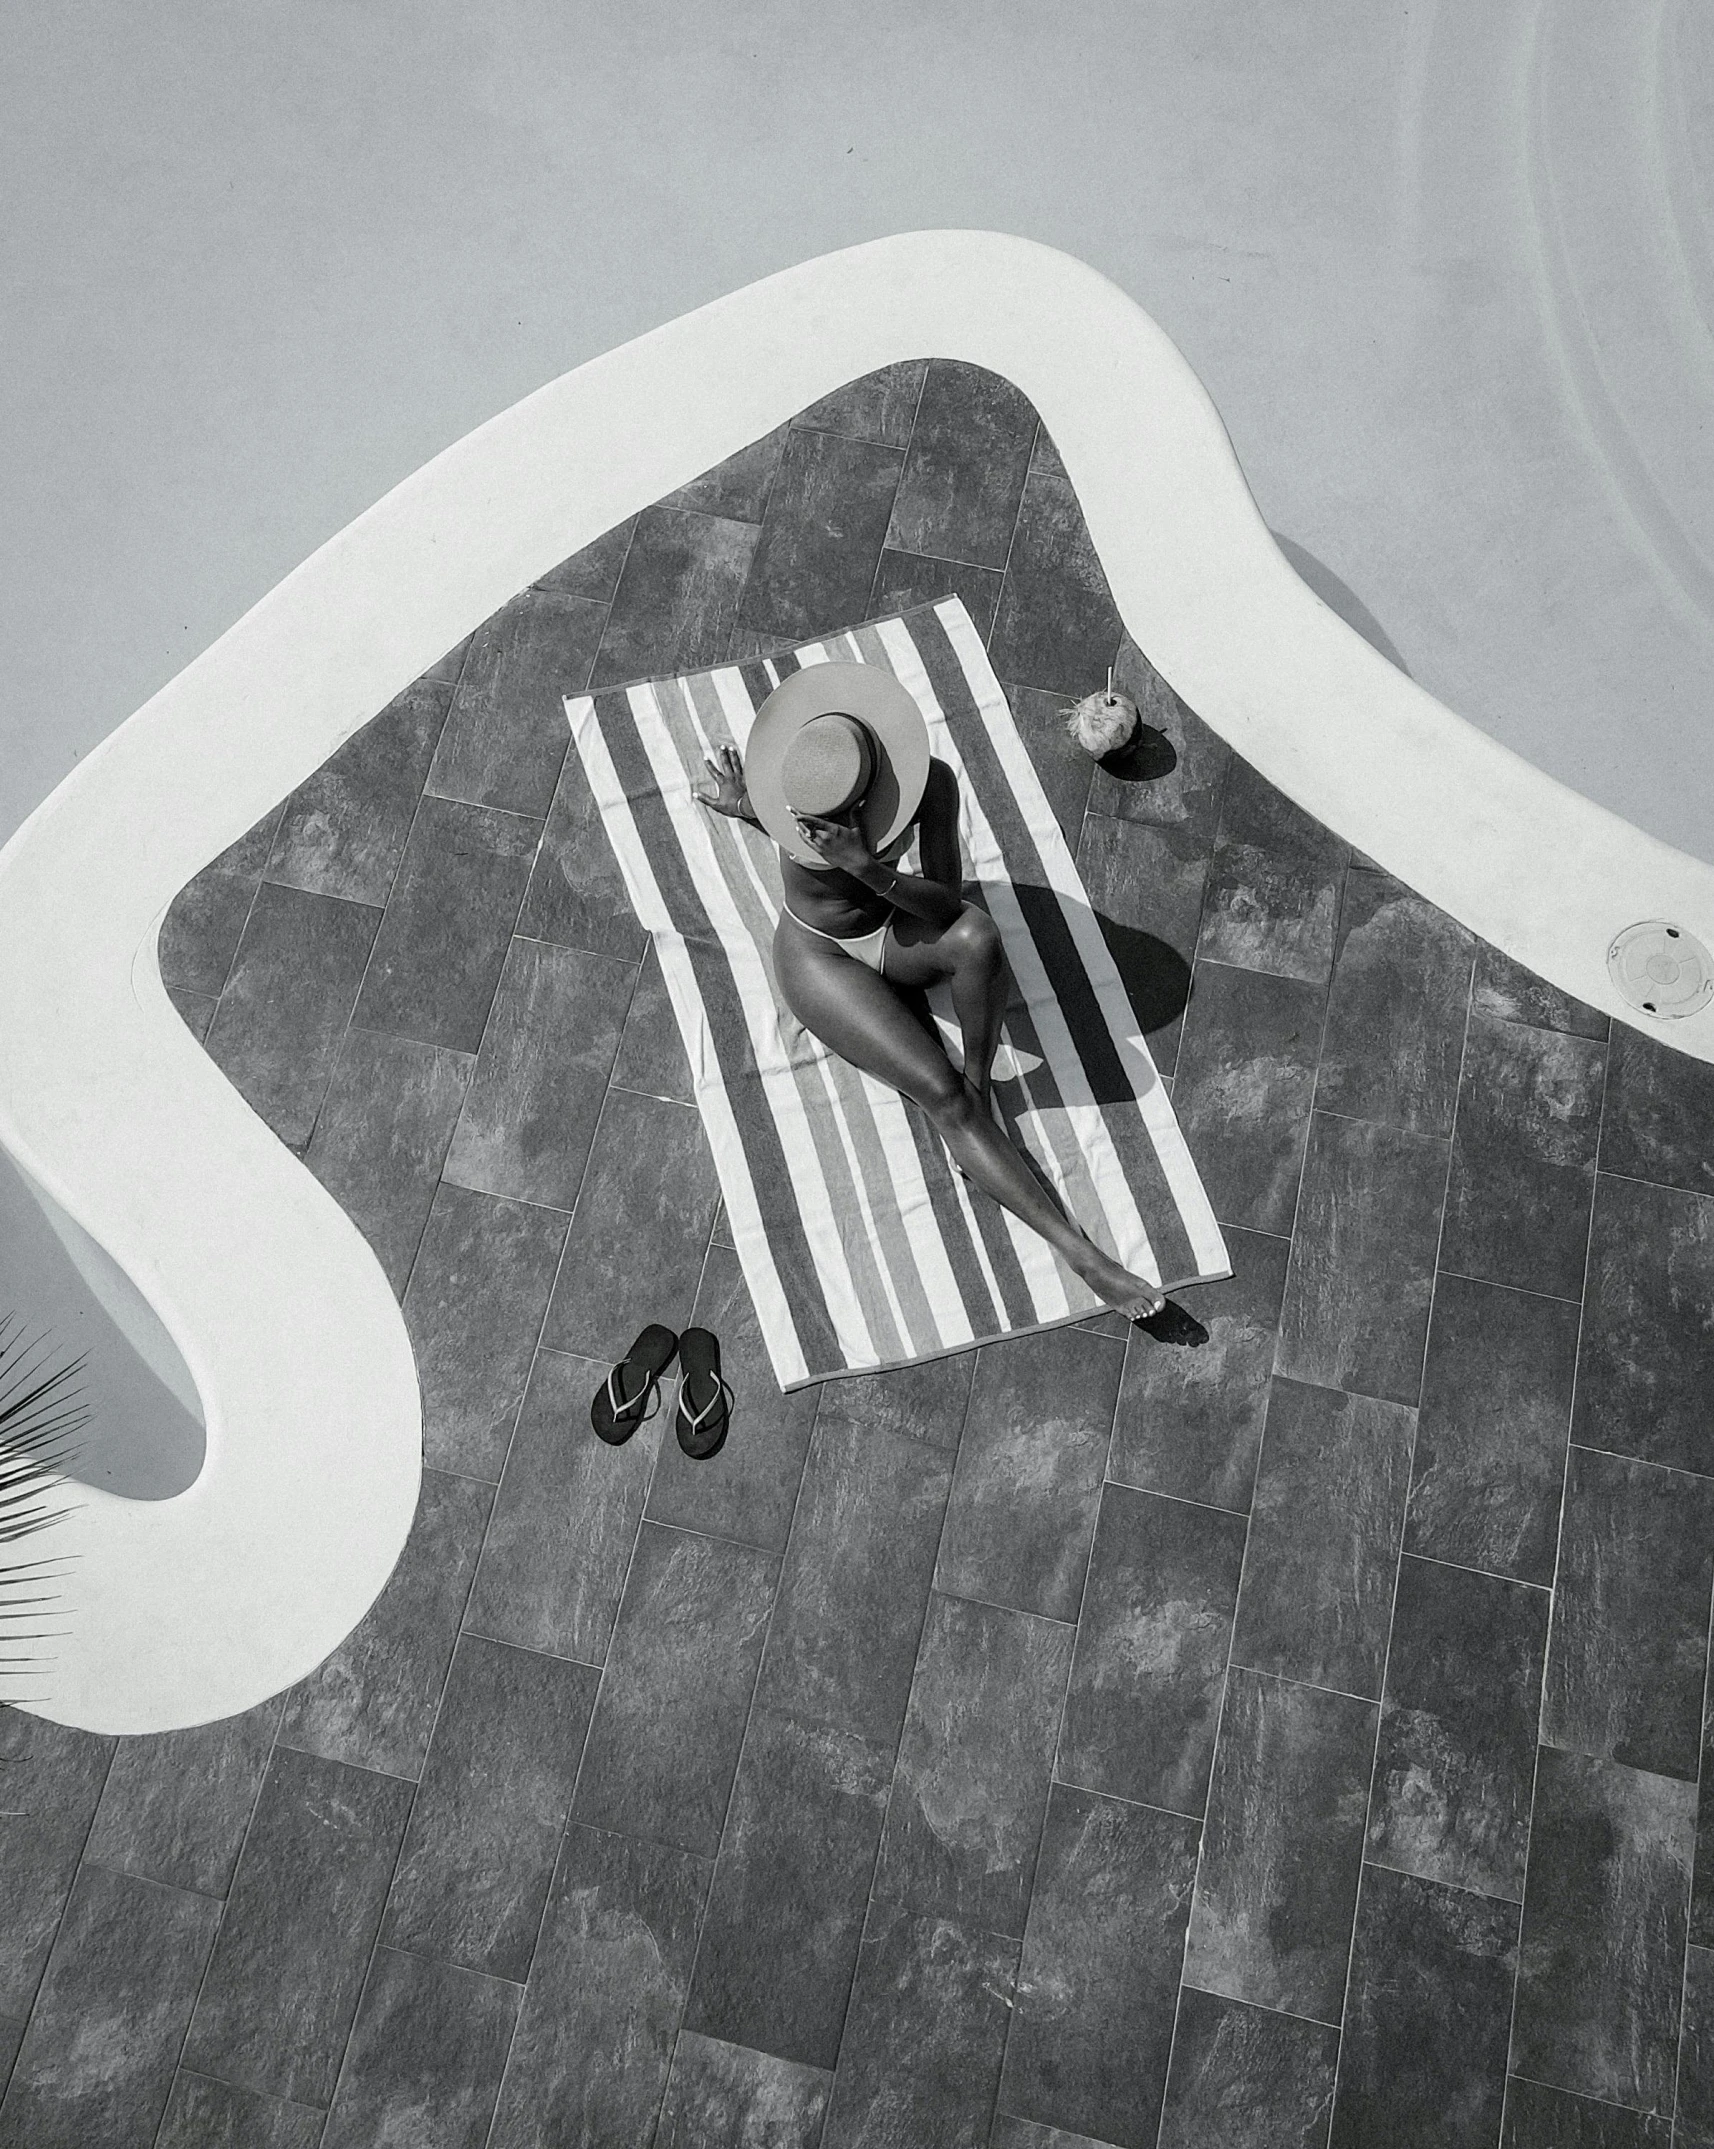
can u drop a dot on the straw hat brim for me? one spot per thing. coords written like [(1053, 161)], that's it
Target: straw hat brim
[(878, 701)]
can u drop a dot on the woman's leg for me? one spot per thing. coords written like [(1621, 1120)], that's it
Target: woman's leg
[(970, 954), (860, 1016)]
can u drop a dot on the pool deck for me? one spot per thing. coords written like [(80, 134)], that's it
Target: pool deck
[(1071, 1743)]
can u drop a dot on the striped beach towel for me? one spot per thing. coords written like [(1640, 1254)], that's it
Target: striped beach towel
[(862, 1247)]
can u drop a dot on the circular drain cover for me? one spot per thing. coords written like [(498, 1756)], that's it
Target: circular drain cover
[(1661, 968)]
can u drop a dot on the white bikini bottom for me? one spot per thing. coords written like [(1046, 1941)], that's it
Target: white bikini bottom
[(869, 949)]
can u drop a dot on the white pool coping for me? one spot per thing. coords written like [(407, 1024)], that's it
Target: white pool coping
[(196, 1607)]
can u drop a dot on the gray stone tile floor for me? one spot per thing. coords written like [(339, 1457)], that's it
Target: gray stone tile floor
[(1293, 1743)]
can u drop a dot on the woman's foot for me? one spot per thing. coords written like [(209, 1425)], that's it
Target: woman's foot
[(1118, 1289)]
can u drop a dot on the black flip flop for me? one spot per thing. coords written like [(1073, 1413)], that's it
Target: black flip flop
[(704, 1400), (622, 1402)]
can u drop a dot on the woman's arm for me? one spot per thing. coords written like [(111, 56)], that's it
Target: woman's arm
[(936, 895)]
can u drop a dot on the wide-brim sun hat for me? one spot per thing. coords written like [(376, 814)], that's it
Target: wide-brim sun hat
[(801, 758)]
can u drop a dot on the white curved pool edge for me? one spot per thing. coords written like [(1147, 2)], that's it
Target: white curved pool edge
[(196, 1607)]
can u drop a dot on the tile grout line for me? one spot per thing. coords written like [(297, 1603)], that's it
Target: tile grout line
[(220, 1922), (411, 1809), (1380, 1704), (566, 1826), (1553, 1585), (743, 1741), (523, 1394)]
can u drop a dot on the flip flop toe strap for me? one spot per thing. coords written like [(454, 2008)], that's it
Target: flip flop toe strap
[(722, 1394), (622, 1409)]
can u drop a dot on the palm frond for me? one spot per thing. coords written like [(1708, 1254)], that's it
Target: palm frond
[(39, 1421)]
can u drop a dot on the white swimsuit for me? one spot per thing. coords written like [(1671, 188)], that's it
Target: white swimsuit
[(869, 949)]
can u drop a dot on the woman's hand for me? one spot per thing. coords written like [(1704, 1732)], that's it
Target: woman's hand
[(729, 795), (836, 844)]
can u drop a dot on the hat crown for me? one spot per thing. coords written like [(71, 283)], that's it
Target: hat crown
[(828, 764)]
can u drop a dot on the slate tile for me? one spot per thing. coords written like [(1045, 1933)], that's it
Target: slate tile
[(1281, 1849), (1145, 887), (1504, 988), (1066, 771), (426, 2055), (52, 1778), (1057, 626), (1492, 1429), (11, 2037), (1147, 878), (475, 1867), (744, 645), (677, 600), (1629, 1650), (881, 406), (1542, 2118), (1247, 2078), (277, 1030), (1098, 1982), (1325, 1525), (196, 1009), (595, 2037), (651, 1057), (923, 2042), (176, 1804), (1604, 1930), (506, 736), (1659, 1122), (595, 571), (199, 934), (963, 478), (1695, 2113), (212, 2115), (373, 1701), (474, 1306), (1011, 2133), (822, 540), (97, 2059), (576, 895), (444, 670), (1517, 1205), (749, 1495), (1152, 1647), (540, 1077), (1189, 1423), (966, 1810), (925, 1402), (739, 486), (1030, 1466), (786, 1909), (1423, 2059), (1185, 794), (344, 828), (382, 1137), (437, 956), (664, 1743), (905, 578), (1456, 1760), (287, 1969), (641, 1229), (1646, 1365), (565, 1520), (722, 2096), (854, 1584), (1396, 1008), (1242, 1090), (1363, 1250), (1274, 884)]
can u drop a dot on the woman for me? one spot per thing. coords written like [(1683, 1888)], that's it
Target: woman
[(856, 933)]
